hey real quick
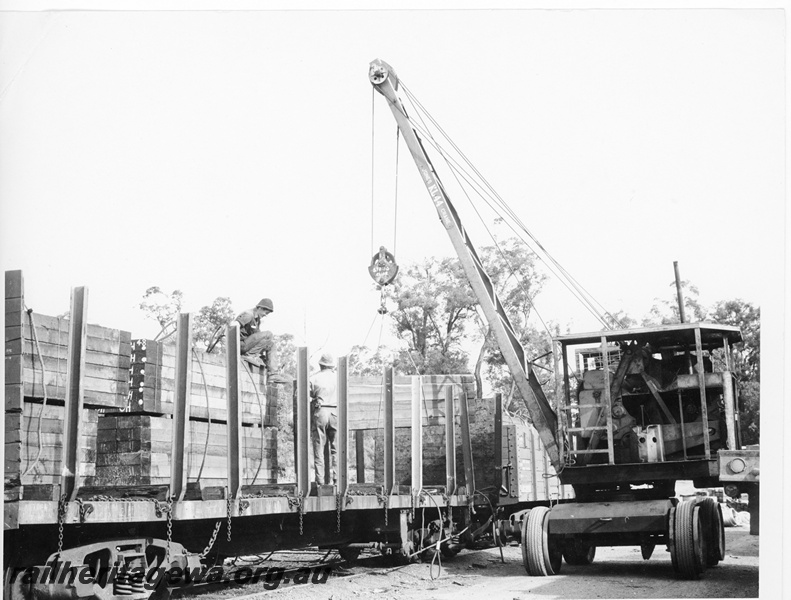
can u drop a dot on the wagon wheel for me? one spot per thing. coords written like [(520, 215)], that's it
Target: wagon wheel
[(687, 547), (14, 590), (449, 550), (349, 554), (541, 556), (404, 555), (579, 553), (713, 531)]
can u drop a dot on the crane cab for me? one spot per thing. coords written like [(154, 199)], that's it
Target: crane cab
[(647, 406)]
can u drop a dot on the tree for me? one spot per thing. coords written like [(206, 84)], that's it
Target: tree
[(210, 318), (511, 266), (365, 363), (664, 312), (286, 350), (162, 307), (746, 361), (434, 304), (745, 316)]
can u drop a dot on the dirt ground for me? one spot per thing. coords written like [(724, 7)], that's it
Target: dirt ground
[(616, 573)]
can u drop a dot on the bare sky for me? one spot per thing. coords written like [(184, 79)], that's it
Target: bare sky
[(230, 153)]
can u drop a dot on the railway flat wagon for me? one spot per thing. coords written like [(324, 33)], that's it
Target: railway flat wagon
[(124, 458)]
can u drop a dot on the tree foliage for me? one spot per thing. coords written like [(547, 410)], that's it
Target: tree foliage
[(512, 268), (163, 308), (665, 311), (286, 351), (434, 304), (746, 361), (210, 318), (746, 354), (364, 362)]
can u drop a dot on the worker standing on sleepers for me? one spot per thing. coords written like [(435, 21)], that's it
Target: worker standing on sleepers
[(324, 424), (258, 347)]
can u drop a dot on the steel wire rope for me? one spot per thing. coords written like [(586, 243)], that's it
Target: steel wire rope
[(208, 415), (437, 550), (422, 391), (43, 387), (261, 411), (486, 227), (373, 164), (552, 264), (395, 202), (365, 341), (498, 199), (382, 391), (549, 261)]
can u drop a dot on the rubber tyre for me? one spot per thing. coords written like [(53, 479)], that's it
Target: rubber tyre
[(713, 531), (579, 553), (539, 556), (688, 541)]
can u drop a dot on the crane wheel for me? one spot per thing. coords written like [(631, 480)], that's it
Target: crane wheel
[(541, 555), (688, 546), (713, 531)]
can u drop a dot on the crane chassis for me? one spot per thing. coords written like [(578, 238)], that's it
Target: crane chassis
[(626, 431)]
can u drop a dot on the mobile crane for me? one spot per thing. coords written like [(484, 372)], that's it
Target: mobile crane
[(644, 409)]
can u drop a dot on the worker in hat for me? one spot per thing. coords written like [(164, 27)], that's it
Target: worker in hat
[(324, 427), (258, 347)]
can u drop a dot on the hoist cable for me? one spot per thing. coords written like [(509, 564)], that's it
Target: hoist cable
[(373, 164), (365, 341), (460, 171), (563, 276), (518, 221), (488, 231), (566, 278), (553, 265), (395, 215), (513, 215)]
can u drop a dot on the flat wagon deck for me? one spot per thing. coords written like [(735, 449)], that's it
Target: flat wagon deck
[(177, 462)]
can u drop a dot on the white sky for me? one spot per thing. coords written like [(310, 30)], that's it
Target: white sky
[(229, 153)]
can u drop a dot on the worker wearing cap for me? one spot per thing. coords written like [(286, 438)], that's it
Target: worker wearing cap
[(255, 344), (324, 402)]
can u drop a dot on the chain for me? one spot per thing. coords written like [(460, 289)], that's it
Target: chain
[(229, 501), (159, 507), (169, 510), (63, 506), (298, 502), (212, 539), (338, 507), (383, 499), (301, 512)]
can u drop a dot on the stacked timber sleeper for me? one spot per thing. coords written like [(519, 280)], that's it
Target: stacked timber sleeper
[(36, 351), (366, 419), (118, 447), (136, 447)]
